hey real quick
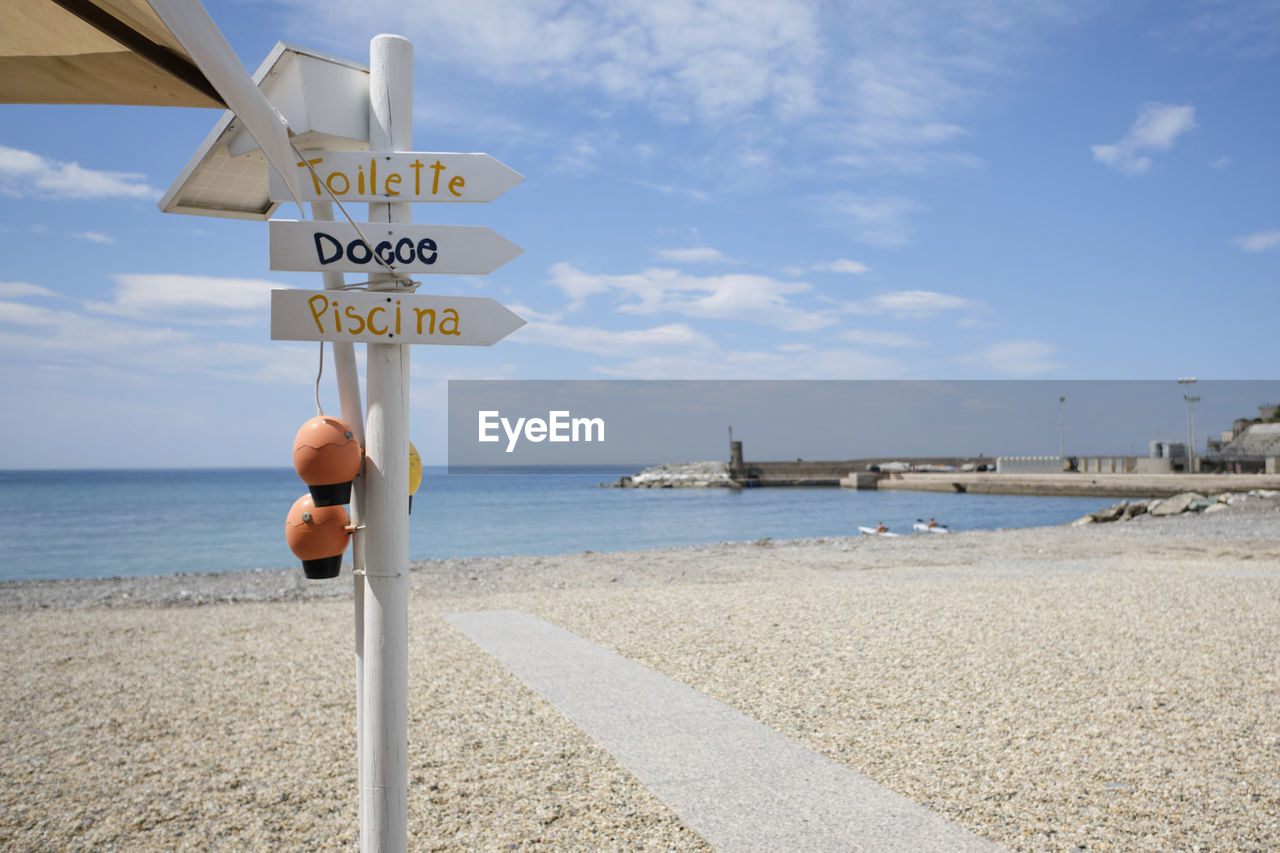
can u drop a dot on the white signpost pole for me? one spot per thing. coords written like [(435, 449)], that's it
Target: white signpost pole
[(384, 740)]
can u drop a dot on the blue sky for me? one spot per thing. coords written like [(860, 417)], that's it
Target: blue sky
[(734, 189)]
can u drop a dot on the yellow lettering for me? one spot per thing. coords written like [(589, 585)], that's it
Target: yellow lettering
[(456, 183), (397, 316), (369, 321), (417, 165), (436, 167), (354, 315), (449, 315), (431, 328), (393, 178), (360, 180), (315, 180), (346, 183), (373, 174), (318, 312)]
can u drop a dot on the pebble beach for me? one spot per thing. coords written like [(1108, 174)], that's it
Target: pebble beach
[(1106, 687)]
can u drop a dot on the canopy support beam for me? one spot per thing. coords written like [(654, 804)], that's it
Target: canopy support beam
[(157, 54)]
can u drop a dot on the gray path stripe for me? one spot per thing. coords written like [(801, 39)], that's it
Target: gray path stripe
[(737, 783)]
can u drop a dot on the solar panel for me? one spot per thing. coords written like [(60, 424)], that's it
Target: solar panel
[(326, 103)]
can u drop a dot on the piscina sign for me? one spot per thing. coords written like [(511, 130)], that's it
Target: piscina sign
[(405, 318)]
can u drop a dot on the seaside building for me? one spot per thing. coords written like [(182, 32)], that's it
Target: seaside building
[(1032, 464), (1250, 446), (1256, 449), (1164, 457)]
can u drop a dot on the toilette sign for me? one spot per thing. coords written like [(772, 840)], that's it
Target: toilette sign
[(312, 246), (397, 176)]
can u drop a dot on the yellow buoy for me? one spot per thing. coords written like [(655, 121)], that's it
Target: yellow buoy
[(415, 473)]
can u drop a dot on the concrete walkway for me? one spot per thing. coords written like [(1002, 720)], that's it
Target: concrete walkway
[(737, 783)]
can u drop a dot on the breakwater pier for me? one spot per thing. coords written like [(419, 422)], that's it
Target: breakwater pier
[(1066, 484), (938, 474)]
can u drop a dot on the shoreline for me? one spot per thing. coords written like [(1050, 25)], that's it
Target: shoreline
[(1101, 687), (465, 575)]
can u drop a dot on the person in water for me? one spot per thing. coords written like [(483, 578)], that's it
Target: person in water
[(932, 523), (880, 528)]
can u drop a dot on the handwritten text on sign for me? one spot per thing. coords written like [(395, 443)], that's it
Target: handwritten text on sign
[(381, 176), (406, 248), (387, 318)]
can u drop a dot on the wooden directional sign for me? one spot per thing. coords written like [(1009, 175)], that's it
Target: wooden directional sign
[(406, 248), (395, 176), (389, 318)]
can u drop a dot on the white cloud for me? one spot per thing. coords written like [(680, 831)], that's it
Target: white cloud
[(1015, 358), (907, 161), (691, 256), (898, 95), (21, 314), (890, 81), (117, 350), (879, 338), (20, 290), (911, 303), (56, 342), (27, 175), (667, 189), (1157, 127), (709, 58), (61, 335), (530, 314), (582, 153), (94, 237), (756, 299), (193, 299), (576, 284), (730, 364), (874, 220), (841, 265), (616, 343), (911, 72), (1259, 241), (1236, 30), (1220, 163)]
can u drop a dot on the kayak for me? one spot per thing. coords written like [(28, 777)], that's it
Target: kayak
[(921, 527), (871, 531)]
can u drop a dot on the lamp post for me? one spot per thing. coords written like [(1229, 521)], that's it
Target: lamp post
[(1061, 400), (1191, 439), (1191, 404)]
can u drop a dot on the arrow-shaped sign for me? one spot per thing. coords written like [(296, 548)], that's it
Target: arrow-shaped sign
[(399, 247), (389, 318), (395, 176)]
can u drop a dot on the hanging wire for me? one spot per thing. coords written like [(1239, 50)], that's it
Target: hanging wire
[(319, 373)]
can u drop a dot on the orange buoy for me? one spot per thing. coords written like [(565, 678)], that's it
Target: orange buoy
[(317, 536), (327, 457)]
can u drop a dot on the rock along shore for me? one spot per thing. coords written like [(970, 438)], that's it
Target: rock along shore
[(680, 475)]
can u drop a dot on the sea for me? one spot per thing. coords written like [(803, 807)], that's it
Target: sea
[(112, 523)]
